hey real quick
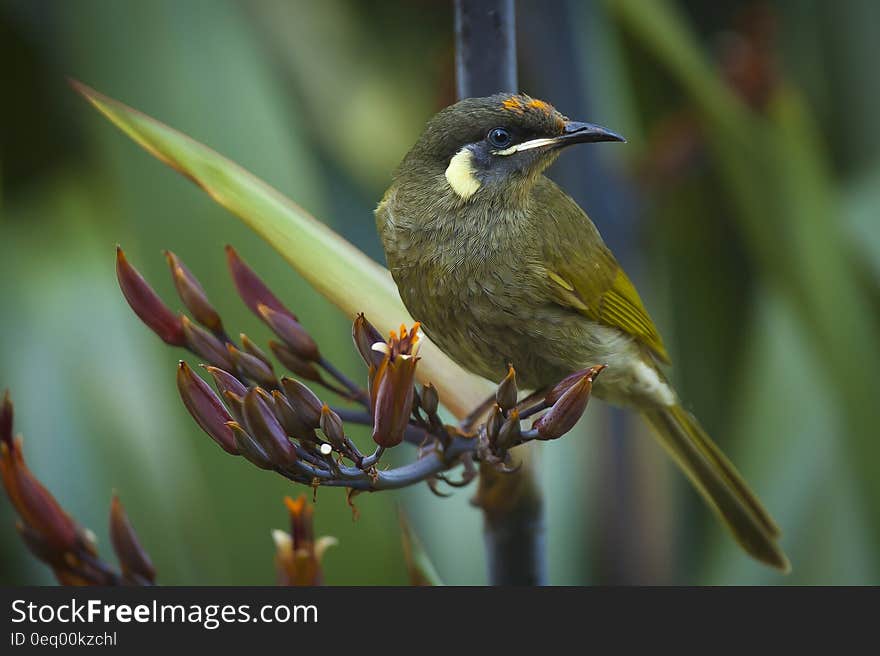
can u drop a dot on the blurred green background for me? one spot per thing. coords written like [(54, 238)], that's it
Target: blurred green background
[(745, 205)]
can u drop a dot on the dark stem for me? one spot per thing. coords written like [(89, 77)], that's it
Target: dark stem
[(513, 509)]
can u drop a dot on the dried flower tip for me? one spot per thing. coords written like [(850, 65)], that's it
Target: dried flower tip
[(251, 288), (305, 404), (248, 447), (134, 561), (290, 332), (264, 427), (146, 303), (332, 427), (193, 294), (205, 407), (562, 386), (252, 367), (295, 363), (206, 345), (430, 399), (566, 412), (507, 392), (365, 336)]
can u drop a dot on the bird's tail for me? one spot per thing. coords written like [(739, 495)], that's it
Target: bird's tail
[(719, 483)]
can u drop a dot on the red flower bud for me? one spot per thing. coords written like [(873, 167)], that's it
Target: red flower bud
[(290, 332), (292, 423), (205, 407), (249, 448), (264, 427), (294, 363), (567, 410), (37, 508), (251, 347), (193, 294), (303, 401), (507, 393), (205, 345), (365, 335), (430, 399), (225, 381), (250, 366), (146, 304), (562, 386), (134, 561), (332, 427), (509, 433), (252, 290)]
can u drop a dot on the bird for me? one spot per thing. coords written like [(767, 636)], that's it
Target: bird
[(502, 268)]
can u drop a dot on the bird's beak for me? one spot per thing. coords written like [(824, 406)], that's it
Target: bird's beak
[(573, 133), (576, 132)]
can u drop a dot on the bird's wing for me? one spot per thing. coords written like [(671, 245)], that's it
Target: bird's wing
[(584, 275)]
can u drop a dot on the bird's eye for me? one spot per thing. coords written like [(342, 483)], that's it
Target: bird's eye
[(499, 137)]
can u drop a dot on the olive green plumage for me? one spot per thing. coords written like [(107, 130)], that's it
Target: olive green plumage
[(501, 266)]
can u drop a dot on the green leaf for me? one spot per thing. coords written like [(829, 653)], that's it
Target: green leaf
[(421, 569), (339, 271)]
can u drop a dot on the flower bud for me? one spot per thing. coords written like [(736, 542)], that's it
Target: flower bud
[(193, 294), (133, 560), (265, 429), (37, 508), (365, 335), (235, 403), (225, 381), (290, 332), (294, 363), (507, 393), (251, 347), (509, 433), (291, 421), (567, 410), (560, 388), (205, 407), (303, 401), (250, 366), (494, 422), (332, 427), (430, 399), (248, 447), (146, 303), (252, 290), (204, 344)]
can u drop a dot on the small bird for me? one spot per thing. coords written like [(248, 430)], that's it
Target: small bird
[(501, 266)]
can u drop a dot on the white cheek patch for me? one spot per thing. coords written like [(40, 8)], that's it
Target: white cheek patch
[(525, 145), (460, 174)]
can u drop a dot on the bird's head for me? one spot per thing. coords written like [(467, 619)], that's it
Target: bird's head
[(491, 143)]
